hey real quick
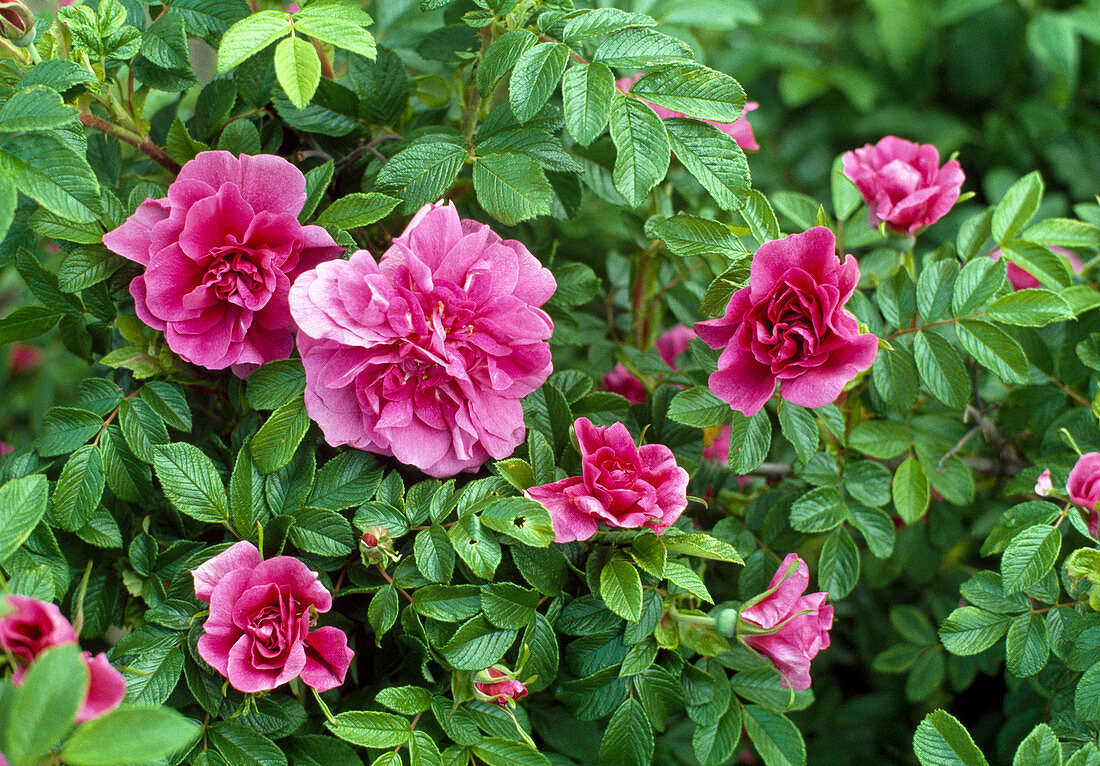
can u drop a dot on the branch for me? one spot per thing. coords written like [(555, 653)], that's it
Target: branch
[(143, 144)]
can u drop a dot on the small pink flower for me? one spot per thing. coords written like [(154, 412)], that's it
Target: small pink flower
[(789, 325), (1084, 487), (258, 633), (24, 358), (719, 448), (503, 692), (425, 354), (220, 253), (670, 344), (740, 130), (903, 184), (30, 627), (1043, 485), (1023, 280), (801, 623), (621, 484)]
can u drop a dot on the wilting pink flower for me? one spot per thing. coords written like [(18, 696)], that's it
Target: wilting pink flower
[(621, 484), (258, 632), (1021, 279), (1043, 485), (790, 325), (30, 627), (670, 344), (426, 354), (24, 358), (740, 130), (903, 184), (220, 253), (797, 638), (503, 692), (1084, 487)]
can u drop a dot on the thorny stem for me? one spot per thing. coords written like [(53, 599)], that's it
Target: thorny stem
[(138, 142)]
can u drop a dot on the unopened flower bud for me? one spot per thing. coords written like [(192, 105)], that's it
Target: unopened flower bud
[(376, 545), (16, 22), (725, 622), (1043, 485), (497, 684)]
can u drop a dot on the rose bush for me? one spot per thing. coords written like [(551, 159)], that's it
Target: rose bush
[(483, 382)]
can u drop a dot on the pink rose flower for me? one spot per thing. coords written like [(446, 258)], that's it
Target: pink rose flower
[(425, 354), (719, 448), (798, 637), (1084, 487), (621, 484), (24, 358), (1023, 280), (30, 627), (503, 692), (220, 253), (258, 632), (790, 325), (903, 184), (740, 130), (670, 344), (1043, 485)]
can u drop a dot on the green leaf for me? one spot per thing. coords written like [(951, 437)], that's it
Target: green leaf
[(321, 532), (191, 483), (50, 173), (109, 739), (800, 428), (501, 56), (750, 440), (358, 209), (969, 630), (879, 438), (349, 479), (35, 108), (935, 288), (838, 567), (819, 510), (209, 19), (1087, 695), (601, 21), (477, 644), (79, 488), (511, 187), (942, 741), (409, 700), (495, 751), (1029, 556), (694, 91), (994, 349), (317, 181), (479, 550), (715, 743), (142, 427), (877, 529), (167, 400), (64, 429), (1064, 232), (910, 490), (535, 77), (1050, 268), (509, 606), (643, 150), (640, 49), (715, 159), (687, 235), (587, 92), (698, 407), (27, 322), (979, 281), (1017, 207), (895, 376), (628, 738), (695, 544), (447, 603), (318, 22), (1040, 748), (519, 518), (165, 42), (423, 171), (43, 710), (621, 589), (275, 383), (244, 746), (275, 443), (1027, 645), (382, 612), (298, 69), (87, 266), (22, 504), (941, 368), (776, 739), (1030, 308), (251, 35)]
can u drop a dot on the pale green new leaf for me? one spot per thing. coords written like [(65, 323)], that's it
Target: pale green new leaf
[(298, 69)]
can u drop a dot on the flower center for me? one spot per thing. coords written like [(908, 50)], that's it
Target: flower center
[(235, 277)]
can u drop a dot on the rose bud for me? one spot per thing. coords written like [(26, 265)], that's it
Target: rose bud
[(1043, 485), (496, 684), (376, 546), (16, 22)]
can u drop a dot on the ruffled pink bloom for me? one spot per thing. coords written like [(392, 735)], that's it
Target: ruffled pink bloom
[(799, 637), (1023, 280), (30, 627), (24, 358), (903, 184), (621, 484), (1084, 487), (425, 354), (258, 632), (1043, 485), (670, 344), (789, 325), (220, 253), (501, 692), (740, 130)]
